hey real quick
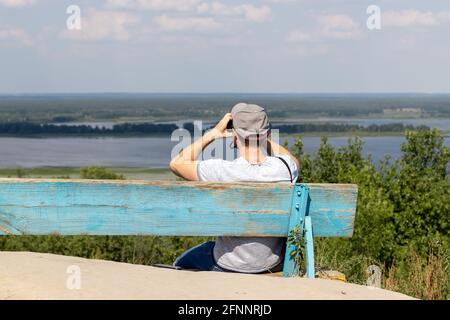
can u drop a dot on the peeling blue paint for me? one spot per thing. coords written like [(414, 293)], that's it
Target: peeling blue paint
[(33, 206)]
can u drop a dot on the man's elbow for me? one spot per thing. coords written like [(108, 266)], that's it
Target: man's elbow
[(184, 170)]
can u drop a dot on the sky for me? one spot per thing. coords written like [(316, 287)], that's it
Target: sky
[(266, 46)]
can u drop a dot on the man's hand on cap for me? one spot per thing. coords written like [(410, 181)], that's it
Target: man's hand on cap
[(220, 130)]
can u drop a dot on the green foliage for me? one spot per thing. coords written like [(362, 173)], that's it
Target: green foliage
[(20, 173), (131, 249), (297, 255), (99, 173), (403, 206)]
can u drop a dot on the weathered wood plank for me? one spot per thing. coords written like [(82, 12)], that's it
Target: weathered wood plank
[(332, 209), (35, 206)]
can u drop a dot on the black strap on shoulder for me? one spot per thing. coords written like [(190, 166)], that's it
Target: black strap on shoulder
[(287, 166)]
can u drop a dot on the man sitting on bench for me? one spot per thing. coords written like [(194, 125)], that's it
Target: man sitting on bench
[(261, 160)]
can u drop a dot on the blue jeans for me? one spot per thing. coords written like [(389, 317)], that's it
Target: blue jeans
[(201, 258)]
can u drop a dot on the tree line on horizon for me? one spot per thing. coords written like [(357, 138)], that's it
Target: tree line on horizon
[(29, 128)]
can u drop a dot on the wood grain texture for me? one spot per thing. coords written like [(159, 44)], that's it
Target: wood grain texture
[(35, 206)]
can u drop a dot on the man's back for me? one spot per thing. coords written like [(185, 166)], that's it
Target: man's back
[(251, 134), (248, 254)]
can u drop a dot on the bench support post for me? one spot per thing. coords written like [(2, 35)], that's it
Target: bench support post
[(297, 225), (310, 271)]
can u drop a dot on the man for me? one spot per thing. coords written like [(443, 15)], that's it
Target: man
[(261, 160)]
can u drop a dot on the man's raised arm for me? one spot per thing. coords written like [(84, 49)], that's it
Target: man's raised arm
[(185, 163)]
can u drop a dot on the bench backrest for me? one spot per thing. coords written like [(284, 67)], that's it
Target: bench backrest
[(94, 207)]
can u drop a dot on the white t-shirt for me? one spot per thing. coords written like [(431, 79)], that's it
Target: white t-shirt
[(248, 254)]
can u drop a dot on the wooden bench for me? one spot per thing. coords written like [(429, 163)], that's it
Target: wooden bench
[(171, 208)]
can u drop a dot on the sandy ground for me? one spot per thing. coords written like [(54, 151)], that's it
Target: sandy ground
[(25, 275)]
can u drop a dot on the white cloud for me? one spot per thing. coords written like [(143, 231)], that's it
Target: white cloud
[(443, 16), (283, 1), (98, 25), (329, 27), (250, 12), (182, 5), (317, 41), (257, 14), (410, 18), (119, 3), (157, 5), (299, 36), (338, 27), (317, 50), (214, 8), (16, 3), (186, 23), (15, 35), (211, 16)]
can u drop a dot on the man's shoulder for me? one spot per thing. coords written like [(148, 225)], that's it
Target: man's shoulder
[(285, 157), (285, 160)]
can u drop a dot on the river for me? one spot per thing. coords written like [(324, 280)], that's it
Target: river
[(149, 152)]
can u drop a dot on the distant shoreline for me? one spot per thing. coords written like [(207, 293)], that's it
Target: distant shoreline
[(151, 129), (139, 135)]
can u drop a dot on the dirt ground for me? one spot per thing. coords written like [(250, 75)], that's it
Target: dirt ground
[(26, 275)]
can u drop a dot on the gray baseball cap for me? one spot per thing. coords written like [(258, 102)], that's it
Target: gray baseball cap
[(250, 121)]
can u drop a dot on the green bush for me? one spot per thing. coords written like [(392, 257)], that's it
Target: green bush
[(99, 173), (403, 207), (146, 250)]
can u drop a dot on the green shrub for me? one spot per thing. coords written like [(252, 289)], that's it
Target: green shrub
[(99, 173), (403, 207)]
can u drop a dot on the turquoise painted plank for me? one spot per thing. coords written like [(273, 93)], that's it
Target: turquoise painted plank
[(34, 206), (299, 208), (309, 247), (332, 209)]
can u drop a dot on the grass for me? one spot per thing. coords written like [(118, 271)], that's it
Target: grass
[(420, 277), (423, 278)]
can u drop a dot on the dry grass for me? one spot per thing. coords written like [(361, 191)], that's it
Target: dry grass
[(423, 278)]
